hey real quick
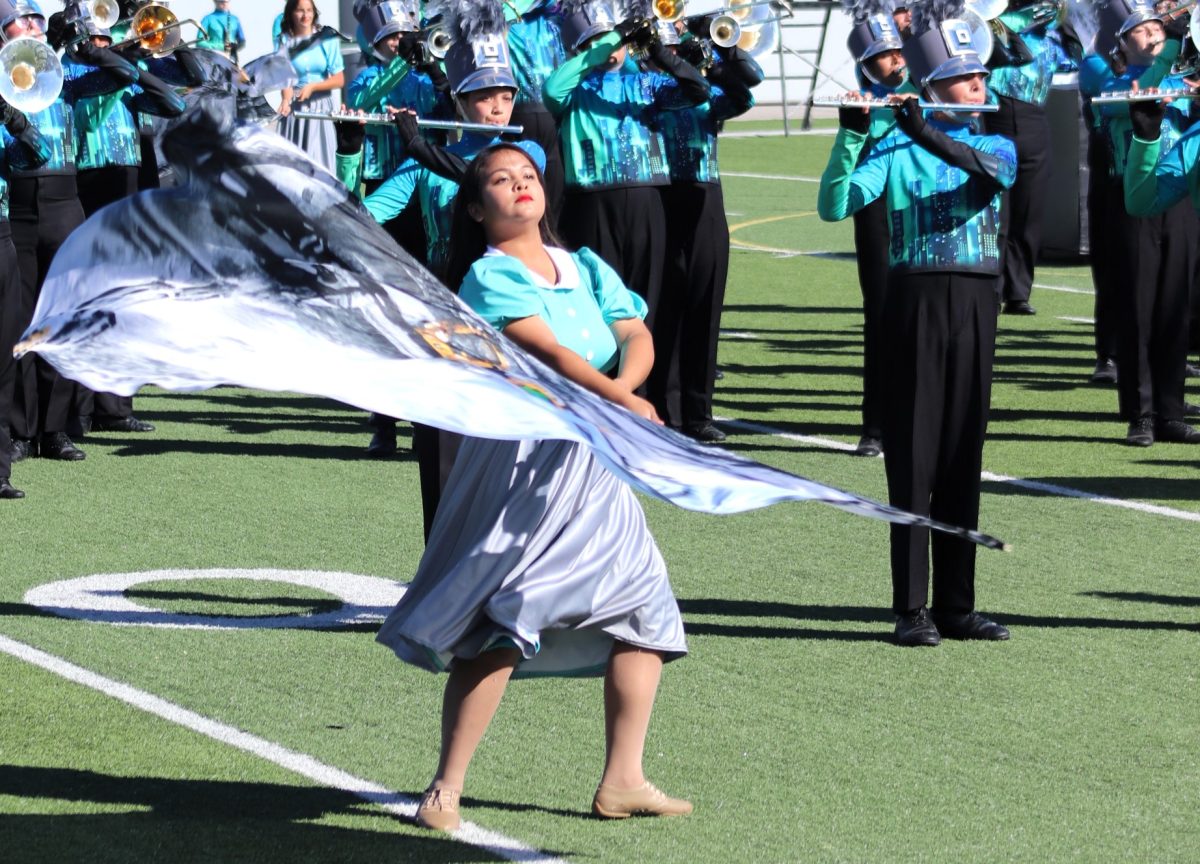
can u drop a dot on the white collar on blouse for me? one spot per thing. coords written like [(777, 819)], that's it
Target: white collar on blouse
[(568, 273)]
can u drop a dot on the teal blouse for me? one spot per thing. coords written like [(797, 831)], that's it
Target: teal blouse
[(588, 298)]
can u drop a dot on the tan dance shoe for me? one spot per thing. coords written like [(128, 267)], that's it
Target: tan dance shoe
[(438, 810), (644, 800)]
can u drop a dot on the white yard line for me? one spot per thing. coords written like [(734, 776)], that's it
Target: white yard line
[(298, 763), (1064, 289), (1035, 485), (790, 177)]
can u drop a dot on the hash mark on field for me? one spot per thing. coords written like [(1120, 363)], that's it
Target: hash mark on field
[(395, 803), (1035, 485), (1075, 319)]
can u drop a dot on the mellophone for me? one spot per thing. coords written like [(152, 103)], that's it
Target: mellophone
[(953, 107), (423, 123), (1124, 97)]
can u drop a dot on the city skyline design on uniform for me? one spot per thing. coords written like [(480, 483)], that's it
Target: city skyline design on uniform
[(535, 49)]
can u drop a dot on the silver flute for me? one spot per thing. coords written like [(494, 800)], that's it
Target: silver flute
[(950, 107), (1124, 97), (381, 119)]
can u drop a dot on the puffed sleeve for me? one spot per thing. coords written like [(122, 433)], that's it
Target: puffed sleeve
[(616, 302), (334, 62), (499, 289)]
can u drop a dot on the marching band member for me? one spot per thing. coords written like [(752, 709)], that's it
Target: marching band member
[(399, 75), (613, 158), (874, 43), (483, 87), (1155, 256), (697, 262), (540, 562), (319, 69), (943, 186), (108, 159), (536, 49), (1022, 92), (23, 148), (45, 209)]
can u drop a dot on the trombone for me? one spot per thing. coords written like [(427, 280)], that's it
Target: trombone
[(948, 107), (156, 29), (422, 123), (31, 76)]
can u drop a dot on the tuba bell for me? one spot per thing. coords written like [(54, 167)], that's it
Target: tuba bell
[(669, 11), (31, 76)]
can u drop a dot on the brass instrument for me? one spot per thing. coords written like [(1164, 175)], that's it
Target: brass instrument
[(947, 107), (157, 30), (669, 11), (102, 13), (31, 76), (388, 119), (437, 42)]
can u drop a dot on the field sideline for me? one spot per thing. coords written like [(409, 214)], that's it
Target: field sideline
[(797, 729)]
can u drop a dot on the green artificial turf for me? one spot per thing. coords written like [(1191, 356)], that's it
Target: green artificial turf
[(798, 730)]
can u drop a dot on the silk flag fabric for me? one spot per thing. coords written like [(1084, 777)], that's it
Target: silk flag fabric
[(261, 270)]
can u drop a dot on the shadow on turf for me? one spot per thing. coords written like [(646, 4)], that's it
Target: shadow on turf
[(1126, 488), (1144, 597), (755, 609), (163, 446), (202, 820)]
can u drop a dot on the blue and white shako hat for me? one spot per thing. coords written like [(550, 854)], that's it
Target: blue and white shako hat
[(580, 20), (941, 43), (478, 58), (873, 31), (1118, 17), (382, 18), (11, 10)]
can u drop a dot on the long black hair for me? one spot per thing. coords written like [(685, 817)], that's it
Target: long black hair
[(289, 9), (468, 241)]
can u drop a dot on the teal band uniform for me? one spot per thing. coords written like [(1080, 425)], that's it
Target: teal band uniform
[(1031, 82), (222, 28), (690, 135), (1154, 183), (383, 154), (604, 120), (535, 50), (939, 217), (23, 153)]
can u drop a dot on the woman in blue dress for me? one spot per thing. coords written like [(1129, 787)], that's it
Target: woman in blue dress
[(540, 561), (319, 70)]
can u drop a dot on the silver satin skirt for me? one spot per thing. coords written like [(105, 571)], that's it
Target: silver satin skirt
[(536, 546), (314, 137)]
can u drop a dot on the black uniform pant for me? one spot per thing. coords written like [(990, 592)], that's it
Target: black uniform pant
[(540, 127), (1156, 260), (687, 326), (99, 187), (1105, 195), (627, 228), (1021, 212), (10, 331), (871, 239), (44, 211), (436, 451), (938, 348)]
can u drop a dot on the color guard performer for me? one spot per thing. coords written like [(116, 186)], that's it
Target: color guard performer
[(943, 186)]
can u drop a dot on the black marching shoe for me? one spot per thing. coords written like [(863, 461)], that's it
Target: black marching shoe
[(121, 424), (705, 433), (916, 628), (1191, 410), (57, 445), (969, 625), (1018, 307), (1141, 432), (869, 445), (1105, 372), (1191, 370), (383, 444), (7, 492), (22, 448), (1176, 432)]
